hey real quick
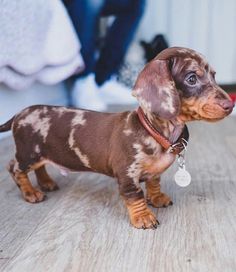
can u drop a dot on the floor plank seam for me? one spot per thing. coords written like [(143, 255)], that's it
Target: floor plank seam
[(29, 236)]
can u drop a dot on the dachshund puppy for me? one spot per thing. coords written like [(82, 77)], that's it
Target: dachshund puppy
[(176, 87)]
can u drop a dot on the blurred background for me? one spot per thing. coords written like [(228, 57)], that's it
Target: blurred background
[(46, 47)]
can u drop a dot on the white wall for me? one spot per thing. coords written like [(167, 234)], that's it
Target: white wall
[(208, 26)]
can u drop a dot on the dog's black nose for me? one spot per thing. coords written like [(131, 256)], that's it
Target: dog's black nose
[(227, 105)]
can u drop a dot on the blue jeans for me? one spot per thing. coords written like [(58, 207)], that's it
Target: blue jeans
[(85, 15)]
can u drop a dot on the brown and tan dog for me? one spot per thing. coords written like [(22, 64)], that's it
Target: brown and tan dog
[(175, 87)]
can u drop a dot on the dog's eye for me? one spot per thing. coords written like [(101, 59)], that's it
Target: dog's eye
[(192, 79)]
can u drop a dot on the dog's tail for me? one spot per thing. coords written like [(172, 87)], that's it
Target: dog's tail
[(7, 125)]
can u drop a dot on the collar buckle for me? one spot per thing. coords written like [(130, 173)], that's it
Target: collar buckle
[(178, 147)]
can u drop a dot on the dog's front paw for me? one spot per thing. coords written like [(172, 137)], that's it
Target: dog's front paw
[(34, 196), (144, 220), (160, 201)]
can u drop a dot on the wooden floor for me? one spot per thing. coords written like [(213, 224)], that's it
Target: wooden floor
[(84, 226)]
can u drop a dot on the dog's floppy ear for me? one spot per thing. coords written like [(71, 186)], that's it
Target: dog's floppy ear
[(156, 91)]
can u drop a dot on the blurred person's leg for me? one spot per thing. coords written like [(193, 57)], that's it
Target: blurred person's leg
[(127, 17), (85, 15)]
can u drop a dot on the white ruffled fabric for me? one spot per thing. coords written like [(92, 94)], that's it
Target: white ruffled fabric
[(37, 43)]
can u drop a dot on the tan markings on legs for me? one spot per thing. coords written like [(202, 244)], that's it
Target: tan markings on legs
[(44, 180), (141, 216), (154, 195), (29, 193)]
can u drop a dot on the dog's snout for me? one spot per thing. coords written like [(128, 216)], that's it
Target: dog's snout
[(227, 105)]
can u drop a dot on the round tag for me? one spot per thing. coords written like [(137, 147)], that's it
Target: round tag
[(182, 177)]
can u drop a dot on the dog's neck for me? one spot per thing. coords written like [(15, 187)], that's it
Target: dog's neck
[(171, 129)]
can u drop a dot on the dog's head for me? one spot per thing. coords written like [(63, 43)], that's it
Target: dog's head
[(179, 82)]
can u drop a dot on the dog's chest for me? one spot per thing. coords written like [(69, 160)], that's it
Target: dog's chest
[(154, 165), (149, 160)]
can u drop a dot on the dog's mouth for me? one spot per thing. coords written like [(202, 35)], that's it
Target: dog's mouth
[(217, 111)]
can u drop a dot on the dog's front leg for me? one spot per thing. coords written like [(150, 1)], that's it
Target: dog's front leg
[(140, 215), (154, 195)]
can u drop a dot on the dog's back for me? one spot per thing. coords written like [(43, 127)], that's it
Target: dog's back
[(65, 136)]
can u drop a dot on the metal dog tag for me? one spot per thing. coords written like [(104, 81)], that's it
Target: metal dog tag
[(182, 177)]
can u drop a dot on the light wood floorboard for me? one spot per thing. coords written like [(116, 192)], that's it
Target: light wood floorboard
[(84, 226)]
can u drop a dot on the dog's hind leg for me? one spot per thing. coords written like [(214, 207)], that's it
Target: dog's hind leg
[(154, 195), (29, 193), (44, 180)]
